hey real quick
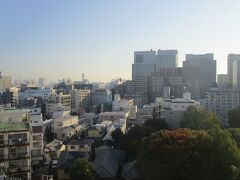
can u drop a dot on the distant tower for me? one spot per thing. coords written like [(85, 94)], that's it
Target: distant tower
[(82, 77), (0, 75), (166, 92)]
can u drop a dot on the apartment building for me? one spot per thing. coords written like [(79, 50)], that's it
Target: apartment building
[(15, 150), (221, 101)]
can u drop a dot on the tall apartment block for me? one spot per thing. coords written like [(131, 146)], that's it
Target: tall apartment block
[(80, 100), (15, 153), (199, 72), (221, 101)]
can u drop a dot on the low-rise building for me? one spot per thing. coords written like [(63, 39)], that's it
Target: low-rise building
[(172, 110), (52, 151), (121, 104), (108, 161), (117, 124), (112, 116), (67, 132), (64, 121), (221, 101)]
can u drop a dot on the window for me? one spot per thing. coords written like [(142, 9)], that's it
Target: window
[(72, 147), (82, 146)]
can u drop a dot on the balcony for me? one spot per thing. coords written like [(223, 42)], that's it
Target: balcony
[(2, 157), (18, 143), (24, 168), (18, 156), (19, 169), (13, 170)]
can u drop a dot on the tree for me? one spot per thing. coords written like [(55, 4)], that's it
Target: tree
[(117, 136), (156, 125), (49, 135), (235, 134), (82, 169), (234, 118), (198, 118), (185, 154), (132, 139)]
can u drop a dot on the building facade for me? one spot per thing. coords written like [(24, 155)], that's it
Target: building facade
[(199, 72), (221, 101)]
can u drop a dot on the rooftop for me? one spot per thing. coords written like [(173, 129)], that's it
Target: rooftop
[(13, 110), (64, 118), (80, 141), (13, 127)]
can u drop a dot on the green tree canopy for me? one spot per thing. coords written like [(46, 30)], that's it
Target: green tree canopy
[(117, 136), (82, 170), (156, 125), (132, 139), (185, 154), (235, 134), (199, 118), (234, 118), (49, 135)]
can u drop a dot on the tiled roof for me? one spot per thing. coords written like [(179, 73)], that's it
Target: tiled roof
[(107, 161)]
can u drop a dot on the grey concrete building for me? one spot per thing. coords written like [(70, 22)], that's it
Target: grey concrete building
[(199, 72)]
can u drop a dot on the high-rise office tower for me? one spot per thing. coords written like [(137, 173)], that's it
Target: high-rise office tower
[(166, 59), (147, 62), (231, 59), (223, 81), (236, 75), (171, 78), (199, 73), (144, 64)]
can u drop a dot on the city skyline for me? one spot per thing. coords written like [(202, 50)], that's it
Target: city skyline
[(58, 39)]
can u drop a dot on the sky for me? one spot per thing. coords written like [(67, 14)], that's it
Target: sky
[(56, 39)]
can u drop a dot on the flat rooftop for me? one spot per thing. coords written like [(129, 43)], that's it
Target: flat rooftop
[(14, 127)]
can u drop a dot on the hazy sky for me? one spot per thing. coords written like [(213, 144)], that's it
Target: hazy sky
[(65, 38)]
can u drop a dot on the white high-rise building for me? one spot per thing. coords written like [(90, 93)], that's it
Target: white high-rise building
[(231, 59)]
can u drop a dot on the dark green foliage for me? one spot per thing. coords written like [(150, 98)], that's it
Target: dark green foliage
[(82, 170), (197, 118), (235, 134), (132, 139), (156, 125), (234, 118), (186, 154), (117, 137), (49, 135)]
